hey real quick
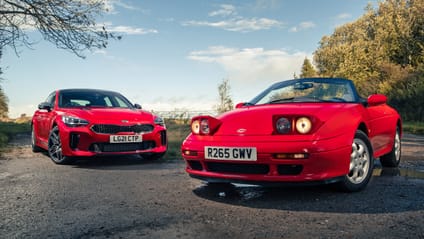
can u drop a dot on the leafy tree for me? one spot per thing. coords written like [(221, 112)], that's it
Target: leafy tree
[(382, 51), (4, 109), (69, 24), (308, 69), (225, 101), (3, 104)]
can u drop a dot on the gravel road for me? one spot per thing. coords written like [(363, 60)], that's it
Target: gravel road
[(127, 197)]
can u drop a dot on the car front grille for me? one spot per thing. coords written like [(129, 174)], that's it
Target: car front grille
[(121, 147), (238, 168), (114, 129), (235, 168)]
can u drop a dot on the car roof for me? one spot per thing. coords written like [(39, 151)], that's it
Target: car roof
[(86, 90)]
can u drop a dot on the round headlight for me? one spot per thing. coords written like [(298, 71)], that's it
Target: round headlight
[(303, 125), (283, 125), (195, 127), (204, 126)]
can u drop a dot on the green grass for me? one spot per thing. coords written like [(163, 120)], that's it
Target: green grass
[(9, 129), (413, 127), (177, 131)]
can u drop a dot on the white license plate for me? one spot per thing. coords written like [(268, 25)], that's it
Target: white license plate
[(125, 138), (231, 153)]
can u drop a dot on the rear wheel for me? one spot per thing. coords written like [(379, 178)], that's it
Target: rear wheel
[(55, 148), (361, 164), (392, 159), (34, 146)]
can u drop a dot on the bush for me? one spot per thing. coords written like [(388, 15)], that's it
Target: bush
[(177, 131), (414, 127), (10, 129)]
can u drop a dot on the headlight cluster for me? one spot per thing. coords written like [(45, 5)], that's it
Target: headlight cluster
[(159, 121), (72, 121), (204, 125), (286, 125), (200, 126)]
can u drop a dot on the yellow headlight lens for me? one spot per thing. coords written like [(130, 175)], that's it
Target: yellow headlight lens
[(195, 127), (303, 125)]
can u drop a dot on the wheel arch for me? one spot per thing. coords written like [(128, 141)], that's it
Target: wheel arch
[(363, 127)]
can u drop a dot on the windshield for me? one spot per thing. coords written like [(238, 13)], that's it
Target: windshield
[(308, 90), (72, 99)]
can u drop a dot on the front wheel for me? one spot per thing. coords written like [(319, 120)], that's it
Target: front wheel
[(361, 164), (55, 148)]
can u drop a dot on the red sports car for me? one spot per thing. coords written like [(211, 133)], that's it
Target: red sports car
[(312, 130), (85, 122)]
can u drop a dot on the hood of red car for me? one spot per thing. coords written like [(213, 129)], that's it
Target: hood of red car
[(111, 115), (258, 120)]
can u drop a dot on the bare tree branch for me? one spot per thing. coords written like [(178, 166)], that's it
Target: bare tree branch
[(69, 24)]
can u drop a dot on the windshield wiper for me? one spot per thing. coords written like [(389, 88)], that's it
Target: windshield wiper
[(297, 99), (280, 100)]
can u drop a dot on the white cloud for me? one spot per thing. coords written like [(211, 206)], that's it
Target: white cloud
[(303, 26), (129, 30), (239, 24), (343, 16), (111, 5), (234, 22), (225, 10), (261, 5), (253, 64), (132, 30)]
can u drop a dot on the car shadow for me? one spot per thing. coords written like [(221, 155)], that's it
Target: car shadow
[(127, 162), (388, 192)]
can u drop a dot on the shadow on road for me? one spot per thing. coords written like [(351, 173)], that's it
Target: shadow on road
[(387, 193)]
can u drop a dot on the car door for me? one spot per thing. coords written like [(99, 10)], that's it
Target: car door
[(380, 122), (44, 118)]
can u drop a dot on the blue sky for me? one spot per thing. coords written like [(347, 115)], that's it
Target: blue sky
[(174, 54)]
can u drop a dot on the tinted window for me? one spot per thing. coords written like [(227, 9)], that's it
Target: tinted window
[(69, 99), (307, 91), (51, 99)]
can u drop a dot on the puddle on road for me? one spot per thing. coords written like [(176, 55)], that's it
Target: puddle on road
[(403, 172)]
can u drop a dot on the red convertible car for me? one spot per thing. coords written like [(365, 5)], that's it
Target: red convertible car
[(85, 122), (312, 130)]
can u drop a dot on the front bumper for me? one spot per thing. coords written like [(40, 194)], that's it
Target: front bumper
[(327, 159), (83, 142)]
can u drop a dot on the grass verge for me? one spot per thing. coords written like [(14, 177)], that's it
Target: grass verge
[(177, 131), (413, 127), (9, 129)]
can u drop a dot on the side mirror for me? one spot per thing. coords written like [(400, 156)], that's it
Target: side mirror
[(137, 106), (240, 105), (45, 106), (376, 99)]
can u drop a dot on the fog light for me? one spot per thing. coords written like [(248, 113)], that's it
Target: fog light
[(190, 153)]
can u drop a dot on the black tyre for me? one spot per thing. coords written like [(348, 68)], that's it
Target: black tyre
[(55, 148), (361, 164), (34, 146), (392, 159)]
